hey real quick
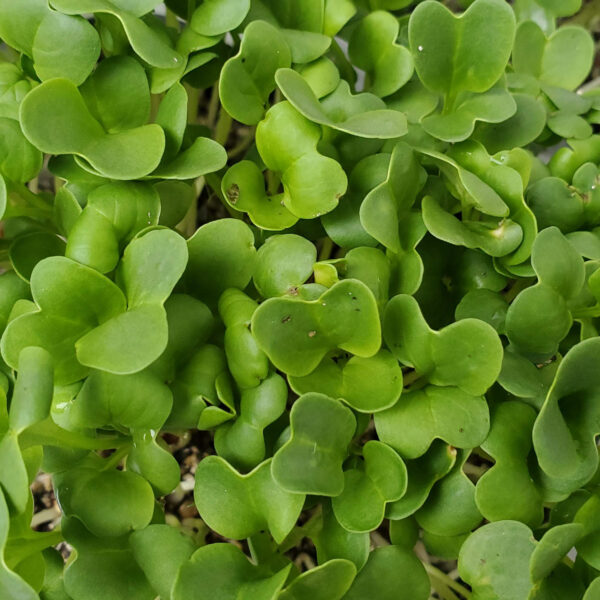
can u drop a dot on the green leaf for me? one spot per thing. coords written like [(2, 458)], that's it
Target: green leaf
[(564, 59), (310, 462), (297, 334), (32, 394), (215, 17), (380, 479), (128, 154), (386, 213), (72, 300), (145, 41), (15, 479), (248, 78), (108, 347), (11, 585), (457, 490), (539, 318), (116, 111), (391, 573), (283, 263), (243, 188), (562, 438), (363, 115), (506, 491), (552, 548), (121, 401), (20, 161), (221, 256), (222, 572), (442, 46), (495, 560), (151, 266), (367, 385), (333, 541), (421, 416), (329, 581), (112, 503), (312, 183), (103, 568), (30, 248), (423, 472), (373, 48), (74, 60), (242, 443), (466, 354), (238, 506), (161, 550)]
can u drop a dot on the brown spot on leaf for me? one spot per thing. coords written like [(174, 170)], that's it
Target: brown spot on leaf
[(233, 193)]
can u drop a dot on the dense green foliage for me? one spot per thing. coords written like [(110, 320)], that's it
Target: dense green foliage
[(356, 243)]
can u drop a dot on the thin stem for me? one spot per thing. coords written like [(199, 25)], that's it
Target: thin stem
[(244, 143), (171, 19), (273, 181), (411, 377), (517, 288), (223, 127), (213, 106), (193, 101), (47, 433), (116, 457), (326, 249), (443, 591), (435, 573)]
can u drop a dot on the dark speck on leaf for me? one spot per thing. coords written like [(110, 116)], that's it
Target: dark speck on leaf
[(233, 193), (357, 310), (286, 319), (293, 291), (460, 429)]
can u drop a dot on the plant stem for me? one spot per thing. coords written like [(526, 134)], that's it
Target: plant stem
[(517, 288), (435, 573), (213, 106), (326, 249), (171, 20), (223, 127), (193, 100), (116, 457), (243, 144)]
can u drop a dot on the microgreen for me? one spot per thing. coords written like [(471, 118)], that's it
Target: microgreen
[(299, 300)]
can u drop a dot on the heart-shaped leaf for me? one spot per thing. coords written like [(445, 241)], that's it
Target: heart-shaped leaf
[(297, 334), (238, 506), (391, 573), (495, 560), (305, 196), (373, 48), (421, 416), (363, 115), (435, 354), (129, 154), (321, 429), (380, 479), (251, 73), (366, 384), (559, 424), (222, 572), (507, 491)]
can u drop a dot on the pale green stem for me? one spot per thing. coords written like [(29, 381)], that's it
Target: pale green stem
[(435, 573)]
